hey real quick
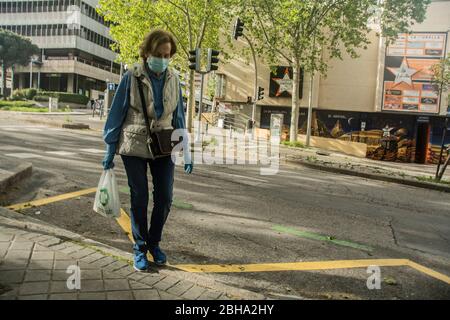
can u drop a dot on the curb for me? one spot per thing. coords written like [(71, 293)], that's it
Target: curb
[(23, 171), (75, 126), (373, 176), (29, 224)]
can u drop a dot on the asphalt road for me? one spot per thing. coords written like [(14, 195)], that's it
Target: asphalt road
[(230, 214)]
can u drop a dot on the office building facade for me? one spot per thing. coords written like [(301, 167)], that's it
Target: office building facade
[(384, 99), (74, 41)]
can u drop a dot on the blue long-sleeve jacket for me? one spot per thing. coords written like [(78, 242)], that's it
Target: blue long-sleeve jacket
[(120, 105)]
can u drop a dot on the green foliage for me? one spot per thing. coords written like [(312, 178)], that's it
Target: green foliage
[(441, 75), (41, 98), (311, 32), (194, 23), (432, 180), (41, 95), (15, 49), (211, 86), (307, 34), (18, 95), (23, 104), (295, 144), (68, 97), (23, 94)]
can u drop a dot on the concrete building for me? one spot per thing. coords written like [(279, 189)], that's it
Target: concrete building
[(383, 99), (74, 41)]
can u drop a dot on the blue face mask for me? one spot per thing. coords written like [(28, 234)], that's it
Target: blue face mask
[(157, 65)]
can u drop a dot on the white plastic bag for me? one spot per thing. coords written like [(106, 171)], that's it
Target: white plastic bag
[(107, 202)]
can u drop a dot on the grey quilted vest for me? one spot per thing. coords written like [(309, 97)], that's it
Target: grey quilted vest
[(134, 136)]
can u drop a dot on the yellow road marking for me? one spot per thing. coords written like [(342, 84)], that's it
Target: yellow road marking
[(294, 266), (429, 272), (125, 223), (41, 202)]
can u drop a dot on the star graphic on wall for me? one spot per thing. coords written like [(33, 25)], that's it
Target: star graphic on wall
[(284, 84), (403, 73)]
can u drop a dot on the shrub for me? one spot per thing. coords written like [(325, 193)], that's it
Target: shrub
[(41, 98), (18, 94), (40, 95), (30, 93), (68, 97), (24, 94)]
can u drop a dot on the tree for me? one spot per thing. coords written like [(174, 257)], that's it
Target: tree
[(306, 34), (14, 50), (194, 23), (441, 81)]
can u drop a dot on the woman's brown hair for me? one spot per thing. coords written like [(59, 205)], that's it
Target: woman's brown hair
[(154, 39)]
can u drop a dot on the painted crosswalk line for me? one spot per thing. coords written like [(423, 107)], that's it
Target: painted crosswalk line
[(23, 155), (61, 153), (91, 150)]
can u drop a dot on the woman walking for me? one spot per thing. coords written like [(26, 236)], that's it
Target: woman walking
[(157, 86)]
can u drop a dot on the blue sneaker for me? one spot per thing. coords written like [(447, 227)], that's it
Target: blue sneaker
[(159, 257), (140, 262)]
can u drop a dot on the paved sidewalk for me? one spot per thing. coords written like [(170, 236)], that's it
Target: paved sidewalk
[(397, 168), (35, 257)]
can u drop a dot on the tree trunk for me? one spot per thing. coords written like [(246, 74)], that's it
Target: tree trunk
[(444, 166), (190, 110), (3, 81), (12, 81), (295, 104)]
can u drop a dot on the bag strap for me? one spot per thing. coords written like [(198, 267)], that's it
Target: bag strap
[(144, 106)]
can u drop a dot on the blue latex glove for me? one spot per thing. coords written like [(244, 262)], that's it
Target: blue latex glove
[(188, 167), (109, 156)]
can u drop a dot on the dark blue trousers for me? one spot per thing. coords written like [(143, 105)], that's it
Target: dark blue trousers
[(162, 170)]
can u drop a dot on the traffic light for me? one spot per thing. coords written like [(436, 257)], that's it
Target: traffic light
[(260, 93), (238, 29), (212, 60), (194, 59)]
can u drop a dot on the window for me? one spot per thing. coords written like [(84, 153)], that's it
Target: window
[(40, 6)]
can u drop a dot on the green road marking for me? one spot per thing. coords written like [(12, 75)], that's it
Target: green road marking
[(175, 202), (319, 237), (181, 205), (125, 190)]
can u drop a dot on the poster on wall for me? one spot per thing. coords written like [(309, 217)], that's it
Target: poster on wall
[(281, 82), (407, 75)]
